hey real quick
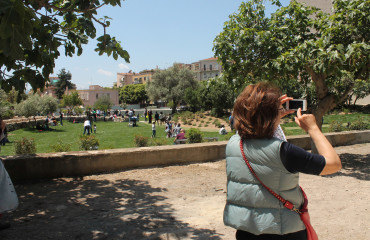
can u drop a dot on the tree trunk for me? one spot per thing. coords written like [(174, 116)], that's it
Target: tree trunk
[(174, 106)]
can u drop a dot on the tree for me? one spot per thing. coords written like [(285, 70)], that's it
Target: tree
[(5, 105), (299, 44), (133, 93), (32, 31), (360, 90), (35, 105), (170, 84), (104, 103), (29, 107), (48, 105), (220, 95), (71, 100), (63, 82)]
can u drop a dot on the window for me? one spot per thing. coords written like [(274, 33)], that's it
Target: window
[(97, 96), (204, 67), (210, 67)]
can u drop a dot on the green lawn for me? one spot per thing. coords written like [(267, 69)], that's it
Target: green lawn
[(113, 135), (291, 128)]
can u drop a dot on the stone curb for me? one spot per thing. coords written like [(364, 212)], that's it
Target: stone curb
[(69, 164)]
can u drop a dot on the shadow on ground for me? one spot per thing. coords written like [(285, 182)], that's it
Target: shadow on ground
[(96, 209), (354, 165)]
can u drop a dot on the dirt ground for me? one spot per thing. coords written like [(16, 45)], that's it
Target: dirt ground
[(179, 202)]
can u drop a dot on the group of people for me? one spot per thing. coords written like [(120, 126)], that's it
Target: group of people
[(159, 118), (177, 132)]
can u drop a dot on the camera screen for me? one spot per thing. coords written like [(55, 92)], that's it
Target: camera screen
[(295, 104)]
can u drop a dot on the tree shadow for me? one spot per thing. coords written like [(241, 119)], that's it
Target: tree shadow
[(354, 165), (43, 131), (96, 209)]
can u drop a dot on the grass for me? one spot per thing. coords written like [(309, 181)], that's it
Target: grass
[(291, 128), (111, 135)]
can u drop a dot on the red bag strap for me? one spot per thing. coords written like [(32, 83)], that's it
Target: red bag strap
[(286, 203)]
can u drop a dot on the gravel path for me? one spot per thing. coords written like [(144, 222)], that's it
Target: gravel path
[(179, 202)]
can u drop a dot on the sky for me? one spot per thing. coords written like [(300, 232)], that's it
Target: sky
[(156, 33)]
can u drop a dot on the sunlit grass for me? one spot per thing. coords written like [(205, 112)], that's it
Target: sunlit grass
[(112, 135)]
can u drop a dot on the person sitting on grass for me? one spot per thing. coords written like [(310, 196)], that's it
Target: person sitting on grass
[(176, 130), (180, 136), (222, 130)]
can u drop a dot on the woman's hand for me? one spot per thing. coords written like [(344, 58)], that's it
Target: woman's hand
[(283, 111), (306, 121)]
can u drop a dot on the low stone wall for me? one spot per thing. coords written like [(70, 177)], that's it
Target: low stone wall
[(18, 123), (54, 165)]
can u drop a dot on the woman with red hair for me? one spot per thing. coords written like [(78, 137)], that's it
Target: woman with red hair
[(250, 207)]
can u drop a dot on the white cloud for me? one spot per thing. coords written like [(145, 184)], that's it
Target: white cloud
[(106, 73), (123, 66)]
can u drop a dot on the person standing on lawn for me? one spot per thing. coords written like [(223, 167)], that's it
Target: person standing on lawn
[(87, 127), (153, 130), (61, 118)]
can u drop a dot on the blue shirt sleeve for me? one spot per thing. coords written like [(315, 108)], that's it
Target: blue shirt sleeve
[(296, 159)]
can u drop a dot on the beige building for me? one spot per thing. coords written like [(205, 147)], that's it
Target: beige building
[(134, 78), (90, 96), (124, 79), (324, 5), (143, 77), (206, 69)]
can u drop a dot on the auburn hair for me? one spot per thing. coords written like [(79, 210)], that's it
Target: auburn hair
[(256, 111)]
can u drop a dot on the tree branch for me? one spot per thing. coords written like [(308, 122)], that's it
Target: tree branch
[(69, 9), (319, 80)]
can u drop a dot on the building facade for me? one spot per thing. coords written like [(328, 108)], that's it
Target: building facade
[(206, 69), (134, 78), (90, 96), (324, 5), (143, 77), (124, 79)]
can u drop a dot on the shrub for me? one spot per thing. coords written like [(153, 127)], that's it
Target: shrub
[(61, 147), (359, 124), (336, 126), (175, 118), (158, 142), (141, 141), (89, 143), (200, 125), (217, 123), (8, 114), (206, 125), (25, 146), (194, 135)]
